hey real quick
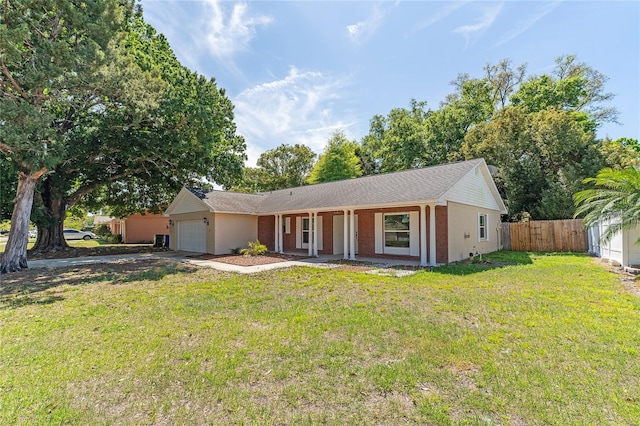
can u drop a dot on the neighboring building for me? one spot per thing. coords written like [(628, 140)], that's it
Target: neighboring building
[(435, 215), (139, 228), (620, 249)]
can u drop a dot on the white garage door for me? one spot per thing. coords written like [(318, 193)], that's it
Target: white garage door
[(192, 236)]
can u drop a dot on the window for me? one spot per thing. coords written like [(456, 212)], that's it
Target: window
[(305, 230), (482, 227), (396, 230)]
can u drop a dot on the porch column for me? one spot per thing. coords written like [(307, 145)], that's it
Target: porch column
[(310, 234), (423, 235), (432, 234), (315, 234), (345, 237), (275, 234), (280, 232), (352, 235)]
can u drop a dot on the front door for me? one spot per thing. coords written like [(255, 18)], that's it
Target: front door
[(338, 234)]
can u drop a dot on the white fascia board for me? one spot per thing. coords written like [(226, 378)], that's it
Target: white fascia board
[(355, 207)]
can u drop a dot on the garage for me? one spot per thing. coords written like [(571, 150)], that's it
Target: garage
[(192, 236)]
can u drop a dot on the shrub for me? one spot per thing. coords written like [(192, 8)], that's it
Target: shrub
[(113, 238), (102, 230), (256, 248), (236, 250)]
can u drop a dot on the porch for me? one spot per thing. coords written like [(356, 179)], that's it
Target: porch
[(406, 235)]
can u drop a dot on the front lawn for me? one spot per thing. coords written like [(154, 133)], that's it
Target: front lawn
[(523, 339)]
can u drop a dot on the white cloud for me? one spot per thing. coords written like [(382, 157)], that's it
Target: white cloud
[(295, 109), (365, 29), (525, 25), (198, 30), (230, 31), (485, 23), (440, 14)]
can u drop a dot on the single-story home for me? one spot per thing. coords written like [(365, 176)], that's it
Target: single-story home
[(139, 228), (435, 214), (620, 249)]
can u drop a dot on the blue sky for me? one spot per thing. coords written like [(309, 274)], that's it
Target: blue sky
[(296, 71)]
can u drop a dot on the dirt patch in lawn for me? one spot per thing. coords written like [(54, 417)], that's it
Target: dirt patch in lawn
[(240, 260), (630, 282), (72, 252), (37, 286)]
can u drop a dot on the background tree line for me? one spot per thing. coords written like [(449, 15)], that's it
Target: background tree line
[(538, 130)]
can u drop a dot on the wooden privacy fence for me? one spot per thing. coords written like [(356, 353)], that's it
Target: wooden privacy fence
[(545, 235)]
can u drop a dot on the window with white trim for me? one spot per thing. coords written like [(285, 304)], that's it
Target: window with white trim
[(482, 227), (397, 230), (305, 230)]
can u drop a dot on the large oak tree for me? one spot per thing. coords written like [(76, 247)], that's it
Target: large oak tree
[(51, 54), (96, 109)]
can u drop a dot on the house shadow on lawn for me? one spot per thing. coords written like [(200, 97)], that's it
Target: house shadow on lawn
[(38, 286), (495, 260)]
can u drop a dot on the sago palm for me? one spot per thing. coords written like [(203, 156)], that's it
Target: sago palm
[(615, 198)]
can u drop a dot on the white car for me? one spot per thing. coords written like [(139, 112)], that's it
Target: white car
[(74, 234)]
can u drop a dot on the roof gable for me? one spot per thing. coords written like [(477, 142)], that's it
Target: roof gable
[(476, 188), (186, 202)]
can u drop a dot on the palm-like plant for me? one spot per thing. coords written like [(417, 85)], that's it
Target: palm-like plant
[(615, 198)]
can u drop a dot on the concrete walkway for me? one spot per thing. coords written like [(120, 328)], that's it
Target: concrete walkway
[(320, 262)]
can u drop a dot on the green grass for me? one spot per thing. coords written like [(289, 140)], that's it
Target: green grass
[(529, 339)]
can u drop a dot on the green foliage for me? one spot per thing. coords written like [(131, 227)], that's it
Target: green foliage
[(235, 250), (52, 53), (573, 86), (338, 161), (614, 199), (542, 157), (102, 230), (113, 238), (537, 130), (157, 126), (397, 141), (256, 248), (8, 186), (283, 167), (186, 136)]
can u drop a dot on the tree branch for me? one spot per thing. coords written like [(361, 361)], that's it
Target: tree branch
[(82, 191), (14, 83)]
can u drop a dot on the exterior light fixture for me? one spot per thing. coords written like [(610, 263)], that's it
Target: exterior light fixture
[(205, 220)]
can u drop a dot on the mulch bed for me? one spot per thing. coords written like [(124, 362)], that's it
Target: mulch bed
[(240, 260)]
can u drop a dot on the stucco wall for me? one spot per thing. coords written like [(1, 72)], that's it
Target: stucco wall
[(143, 228), (234, 230), (463, 231), (173, 234)]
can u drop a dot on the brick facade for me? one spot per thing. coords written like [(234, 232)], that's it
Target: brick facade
[(366, 232), (442, 234), (267, 231)]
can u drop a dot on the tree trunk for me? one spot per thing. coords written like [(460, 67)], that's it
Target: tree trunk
[(51, 236), (15, 254)]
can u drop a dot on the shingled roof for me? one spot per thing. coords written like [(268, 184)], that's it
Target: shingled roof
[(426, 184)]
